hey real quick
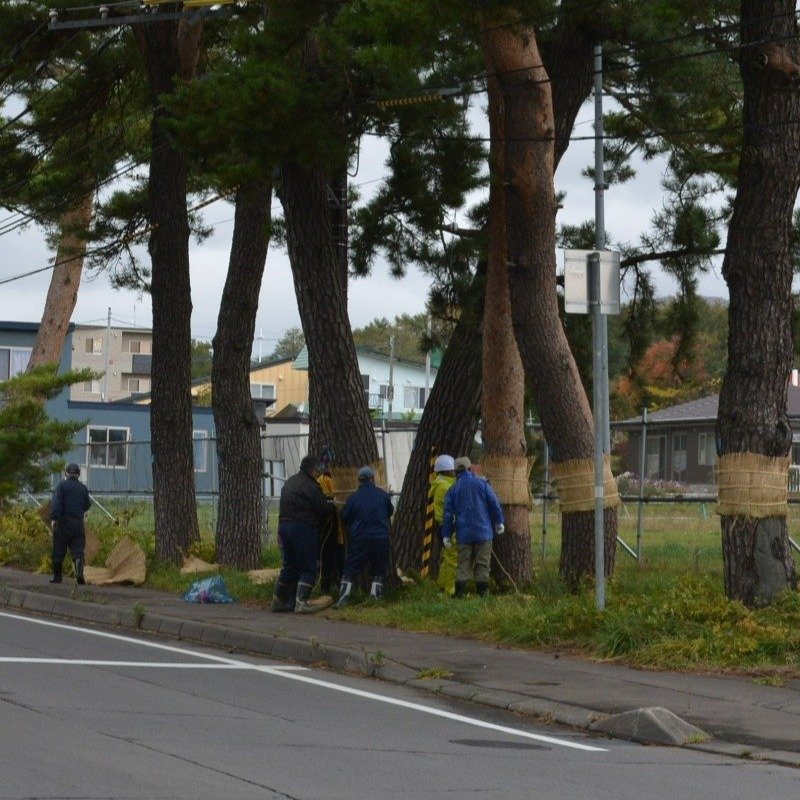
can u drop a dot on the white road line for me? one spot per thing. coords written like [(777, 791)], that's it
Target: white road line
[(86, 662), (290, 673), (436, 712)]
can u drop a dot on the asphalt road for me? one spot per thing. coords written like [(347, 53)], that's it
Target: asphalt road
[(85, 713)]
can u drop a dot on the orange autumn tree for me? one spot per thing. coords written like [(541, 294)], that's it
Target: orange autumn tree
[(661, 378)]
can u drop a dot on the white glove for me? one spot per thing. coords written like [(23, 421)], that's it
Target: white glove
[(446, 543), (499, 529)]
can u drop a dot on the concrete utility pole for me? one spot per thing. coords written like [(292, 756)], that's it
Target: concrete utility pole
[(391, 374), (599, 339), (427, 359), (107, 347)]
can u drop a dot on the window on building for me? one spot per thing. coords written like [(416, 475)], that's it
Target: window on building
[(13, 361), (135, 383), (108, 446), (131, 346), (94, 346), (706, 450), (93, 387), (262, 391), (385, 392), (654, 457), (200, 439), (414, 397), (679, 442)]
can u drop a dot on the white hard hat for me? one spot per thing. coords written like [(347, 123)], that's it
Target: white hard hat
[(444, 463)]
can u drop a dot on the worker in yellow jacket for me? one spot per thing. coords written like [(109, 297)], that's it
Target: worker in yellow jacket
[(445, 469)]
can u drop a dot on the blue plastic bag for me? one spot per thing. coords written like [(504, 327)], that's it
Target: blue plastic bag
[(209, 590)]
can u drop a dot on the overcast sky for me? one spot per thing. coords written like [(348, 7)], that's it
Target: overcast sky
[(628, 211)]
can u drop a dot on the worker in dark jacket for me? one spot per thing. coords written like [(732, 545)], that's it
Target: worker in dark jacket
[(303, 510), (367, 512), (70, 502)]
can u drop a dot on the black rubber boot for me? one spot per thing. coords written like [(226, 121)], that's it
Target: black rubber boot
[(345, 588), (283, 598), (57, 572), (302, 603), (376, 590), (483, 589), (461, 588), (79, 571)]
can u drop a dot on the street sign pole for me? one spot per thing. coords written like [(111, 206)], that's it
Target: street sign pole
[(600, 227), (597, 381), (602, 423)]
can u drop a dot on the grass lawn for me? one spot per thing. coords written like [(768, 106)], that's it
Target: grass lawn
[(669, 612)]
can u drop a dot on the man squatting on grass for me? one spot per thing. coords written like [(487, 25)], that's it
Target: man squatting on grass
[(473, 508), (367, 513)]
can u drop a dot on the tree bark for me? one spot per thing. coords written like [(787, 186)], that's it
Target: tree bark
[(339, 414), (531, 217), (503, 405), (62, 295), (449, 422), (168, 55), (757, 268), (238, 430)]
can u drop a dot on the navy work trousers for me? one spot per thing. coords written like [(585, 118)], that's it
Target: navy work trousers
[(68, 535), (367, 552), (300, 550)]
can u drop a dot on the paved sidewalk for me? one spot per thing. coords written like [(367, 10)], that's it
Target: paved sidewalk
[(745, 719)]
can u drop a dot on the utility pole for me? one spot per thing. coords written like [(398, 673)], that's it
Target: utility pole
[(599, 339), (391, 374), (107, 347), (428, 359)]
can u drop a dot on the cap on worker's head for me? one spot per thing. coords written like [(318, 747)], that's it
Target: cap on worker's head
[(366, 474), (73, 469), (444, 463), (463, 464), (309, 464)]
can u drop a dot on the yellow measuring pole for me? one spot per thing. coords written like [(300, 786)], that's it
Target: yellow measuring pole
[(430, 522)]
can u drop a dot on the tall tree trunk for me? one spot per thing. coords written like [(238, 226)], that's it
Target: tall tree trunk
[(238, 430), (62, 295), (170, 52), (757, 268), (339, 414), (503, 424), (531, 216), (449, 422)]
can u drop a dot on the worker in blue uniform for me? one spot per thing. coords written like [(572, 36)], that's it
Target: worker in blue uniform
[(70, 503), (367, 513)]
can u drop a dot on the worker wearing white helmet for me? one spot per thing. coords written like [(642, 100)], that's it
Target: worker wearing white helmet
[(445, 469)]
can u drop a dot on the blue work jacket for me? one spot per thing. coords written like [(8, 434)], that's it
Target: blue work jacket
[(473, 508), (367, 512)]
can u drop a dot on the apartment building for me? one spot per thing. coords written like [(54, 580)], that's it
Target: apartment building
[(126, 354)]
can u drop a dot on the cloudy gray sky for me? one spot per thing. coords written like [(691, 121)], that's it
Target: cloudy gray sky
[(628, 210)]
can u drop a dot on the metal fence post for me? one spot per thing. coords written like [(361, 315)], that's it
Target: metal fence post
[(545, 494), (642, 468)]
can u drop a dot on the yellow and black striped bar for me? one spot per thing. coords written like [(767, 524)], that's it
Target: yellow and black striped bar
[(410, 101), (430, 522)]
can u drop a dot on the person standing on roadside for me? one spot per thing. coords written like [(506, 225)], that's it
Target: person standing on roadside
[(367, 512), (70, 503), (473, 508), (445, 470), (303, 510)]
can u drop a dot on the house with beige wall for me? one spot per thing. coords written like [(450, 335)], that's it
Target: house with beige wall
[(126, 351)]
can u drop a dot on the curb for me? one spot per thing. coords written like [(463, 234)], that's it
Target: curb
[(366, 663)]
